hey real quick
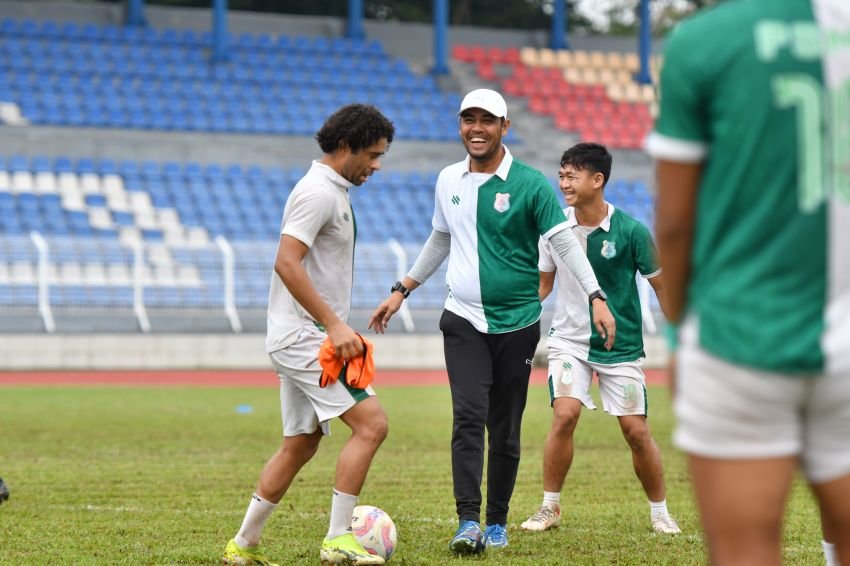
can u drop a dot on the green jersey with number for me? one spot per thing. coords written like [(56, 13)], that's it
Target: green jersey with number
[(759, 91)]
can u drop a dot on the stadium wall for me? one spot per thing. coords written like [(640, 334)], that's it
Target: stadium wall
[(216, 351)]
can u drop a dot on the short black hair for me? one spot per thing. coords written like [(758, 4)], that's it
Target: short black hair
[(356, 126), (589, 156)]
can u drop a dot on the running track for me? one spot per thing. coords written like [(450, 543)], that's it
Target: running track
[(235, 378)]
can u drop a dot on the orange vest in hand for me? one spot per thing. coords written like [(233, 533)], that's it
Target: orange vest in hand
[(358, 372)]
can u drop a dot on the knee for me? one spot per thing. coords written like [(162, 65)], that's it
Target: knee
[(638, 437), (300, 452), (564, 422), (375, 430)]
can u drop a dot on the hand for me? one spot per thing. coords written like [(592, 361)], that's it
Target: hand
[(381, 317), (346, 343), (603, 320)]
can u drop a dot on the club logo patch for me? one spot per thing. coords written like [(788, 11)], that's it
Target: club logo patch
[(502, 202), (609, 249)]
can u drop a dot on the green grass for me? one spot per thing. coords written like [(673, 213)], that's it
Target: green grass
[(163, 476)]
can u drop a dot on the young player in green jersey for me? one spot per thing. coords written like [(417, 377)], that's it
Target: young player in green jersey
[(618, 247), (753, 227)]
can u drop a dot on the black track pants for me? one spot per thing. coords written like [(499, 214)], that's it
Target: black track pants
[(488, 375)]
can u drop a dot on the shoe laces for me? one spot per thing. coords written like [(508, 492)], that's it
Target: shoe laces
[(496, 534), (666, 522), (544, 514)]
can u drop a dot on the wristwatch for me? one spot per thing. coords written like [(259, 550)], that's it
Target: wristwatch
[(397, 286), (598, 294)]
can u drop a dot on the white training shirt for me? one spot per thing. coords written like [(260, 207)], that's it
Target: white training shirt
[(318, 213)]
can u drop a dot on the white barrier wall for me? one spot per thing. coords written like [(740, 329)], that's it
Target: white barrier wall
[(29, 352)]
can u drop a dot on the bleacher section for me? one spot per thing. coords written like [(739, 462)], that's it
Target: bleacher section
[(592, 93), (95, 214), (118, 77), (162, 226), (190, 238)]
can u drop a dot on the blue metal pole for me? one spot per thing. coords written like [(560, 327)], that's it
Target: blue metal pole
[(441, 24), (355, 20), (644, 44), (219, 52), (135, 13), (558, 39)]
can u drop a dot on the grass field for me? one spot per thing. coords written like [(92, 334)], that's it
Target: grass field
[(143, 475)]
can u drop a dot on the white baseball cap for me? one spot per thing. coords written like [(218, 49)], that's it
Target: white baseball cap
[(486, 99)]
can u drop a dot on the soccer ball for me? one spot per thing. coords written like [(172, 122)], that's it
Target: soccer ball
[(374, 530)]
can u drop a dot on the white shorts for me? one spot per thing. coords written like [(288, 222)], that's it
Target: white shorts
[(622, 386), (730, 412), (304, 405)]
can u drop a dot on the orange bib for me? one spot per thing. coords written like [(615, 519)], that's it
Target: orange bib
[(357, 373)]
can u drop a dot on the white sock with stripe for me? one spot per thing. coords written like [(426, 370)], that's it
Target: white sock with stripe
[(342, 510), (658, 509), (552, 499), (259, 510)]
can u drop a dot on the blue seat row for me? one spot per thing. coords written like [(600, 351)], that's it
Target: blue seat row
[(49, 30), (127, 78)]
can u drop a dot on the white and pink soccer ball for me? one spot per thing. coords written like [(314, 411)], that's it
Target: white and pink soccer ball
[(374, 530)]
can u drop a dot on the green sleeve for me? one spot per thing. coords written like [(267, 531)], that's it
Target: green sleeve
[(684, 102), (547, 210), (645, 254)]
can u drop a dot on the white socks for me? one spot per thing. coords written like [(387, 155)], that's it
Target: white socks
[(552, 499), (342, 510), (658, 509), (829, 553), (259, 510)]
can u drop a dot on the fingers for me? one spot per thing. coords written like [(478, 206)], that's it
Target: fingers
[(611, 333), (607, 330), (349, 350), (376, 324), (381, 318)]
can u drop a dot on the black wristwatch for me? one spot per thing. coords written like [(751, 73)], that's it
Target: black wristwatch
[(598, 294), (397, 286)]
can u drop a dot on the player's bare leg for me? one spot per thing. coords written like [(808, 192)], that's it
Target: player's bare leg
[(559, 447), (834, 499), (284, 465), (557, 459), (646, 457), (741, 503), (368, 424)]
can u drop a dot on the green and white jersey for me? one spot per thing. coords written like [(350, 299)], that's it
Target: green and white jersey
[(760, 92), (618, 249), (495, 222)]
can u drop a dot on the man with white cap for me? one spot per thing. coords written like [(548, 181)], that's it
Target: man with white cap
[(489, 212)]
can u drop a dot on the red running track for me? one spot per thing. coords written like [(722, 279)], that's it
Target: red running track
[(236, 378)]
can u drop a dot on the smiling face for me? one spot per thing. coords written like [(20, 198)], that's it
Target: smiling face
[(580, 187), (359, 166), (482, 133)]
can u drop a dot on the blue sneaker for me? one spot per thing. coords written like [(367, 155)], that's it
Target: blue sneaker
[(467, 539), (495, 536)]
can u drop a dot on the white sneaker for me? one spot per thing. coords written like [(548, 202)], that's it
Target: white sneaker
[(545, 518), (665, 524)]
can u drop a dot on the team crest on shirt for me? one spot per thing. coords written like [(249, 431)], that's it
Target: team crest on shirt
[(502, 202), (609, 249)]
